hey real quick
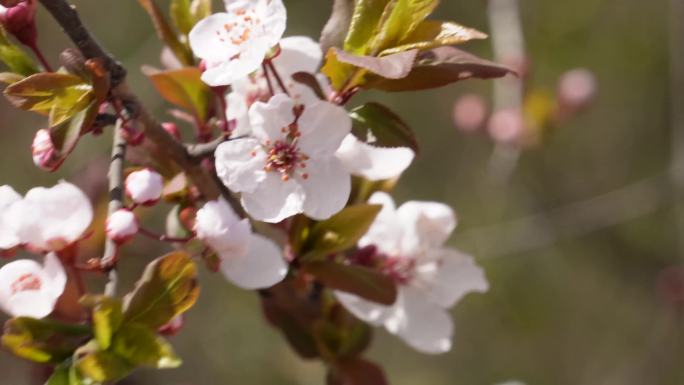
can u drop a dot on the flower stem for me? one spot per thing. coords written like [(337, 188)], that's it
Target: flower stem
[(268, 78), (162, 237), (41, 58), (276, 75)]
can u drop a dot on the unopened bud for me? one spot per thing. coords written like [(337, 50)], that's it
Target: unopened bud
[(172, 129), (144, 187), (172, 327), (122, 225), (45, 155), (20, 20), (469, 113)]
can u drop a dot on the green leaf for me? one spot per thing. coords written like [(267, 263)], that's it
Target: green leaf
[(430, 34), (65, 136), (439, 67), (385, 128), (61, 375), (183, 88), (400, 19), (339, 232), (166, 33), (342, 335), (364, 25), (107, 317), (346, 70), (43, 91), (180, 16), (200, 9), (43, 341), (103, 366), (142, 347), (167, 288), (10, 77), (14, 57), (362, 281)]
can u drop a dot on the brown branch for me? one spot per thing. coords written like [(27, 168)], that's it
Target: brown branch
[(66, 15), (116, 202)]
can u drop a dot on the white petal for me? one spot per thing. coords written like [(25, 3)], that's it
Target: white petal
[(240, 164), (225, 72), (220, 228), (456, 275), (10, 272), (34, 304), (269, 119), (422, 324), (323, 126), (386, 231), (8, 229), (8, 196), (371, 312), (54, 217), (274, 199), (427, 225), (237, 110), (275, 19), (53, 270), (144, 186), (263, 266), (298, 54), (373, 163), (327, 187), (205, 42)]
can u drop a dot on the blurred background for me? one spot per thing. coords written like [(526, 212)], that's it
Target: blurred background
[(567, 198)]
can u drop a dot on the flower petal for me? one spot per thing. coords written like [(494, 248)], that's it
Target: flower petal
[(8, 230), (33, 303), (327, 187), (386, 231), (263, 266), (373, 163), (12, 271), (225, 72), (323, 126), (240, 163), (269, 119), (427, 225), (422, 324), (298, 54), (205, 42), (456, 275), (371, 312), (220, 228), (56, 276), (274, 199)]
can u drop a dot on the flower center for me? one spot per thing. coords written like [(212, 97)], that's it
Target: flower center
[(26, 282), (285, 158), (240, 30), (399, 269)]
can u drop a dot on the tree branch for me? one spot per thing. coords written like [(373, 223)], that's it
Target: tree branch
[(116, 202), (66, 15)]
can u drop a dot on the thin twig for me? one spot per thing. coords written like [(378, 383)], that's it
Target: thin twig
[(276, 75), (202, 150), (162, 237), (116, 202)]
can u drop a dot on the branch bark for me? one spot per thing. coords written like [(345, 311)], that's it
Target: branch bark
[(116, 202), (67, 17)]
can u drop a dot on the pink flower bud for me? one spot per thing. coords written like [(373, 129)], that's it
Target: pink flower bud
[(469, 112), (172, 129), (144, 187), (19, 20), (172, 327), (576, 89), (45, 155), (507, 125), (122, 225)]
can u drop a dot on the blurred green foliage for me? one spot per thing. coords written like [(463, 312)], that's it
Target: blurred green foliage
[(576, 309)]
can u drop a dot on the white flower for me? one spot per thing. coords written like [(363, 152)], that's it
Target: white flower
[(144, 186), (248, 260), (302, 54), (8, 232), (297, 54), (45, 155), (51, 219), (234, 43), (289, 166), (431, 278), (28, 289), (373, 163), (122, 225)]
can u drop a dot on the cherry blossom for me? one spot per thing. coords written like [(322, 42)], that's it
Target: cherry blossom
[(431, 278), (371, 162), (249, 260), (50, 219), (122, 225), (234, 43), (144, 186), (289, 165), (28, 289), (8, 232)]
